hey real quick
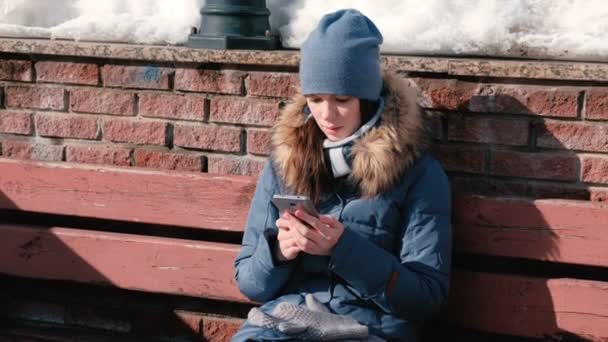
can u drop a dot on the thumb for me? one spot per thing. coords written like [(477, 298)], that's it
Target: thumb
[(313, 304)]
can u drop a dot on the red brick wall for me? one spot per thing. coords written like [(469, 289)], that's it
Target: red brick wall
[(503, 135)]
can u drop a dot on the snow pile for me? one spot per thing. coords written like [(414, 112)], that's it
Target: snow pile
[(554, 28), (135, 21), (574, 29)]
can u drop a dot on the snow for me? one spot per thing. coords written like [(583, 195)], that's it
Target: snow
[(566, 29), (135, 21)]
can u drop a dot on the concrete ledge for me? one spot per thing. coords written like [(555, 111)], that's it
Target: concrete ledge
[(527, 69)]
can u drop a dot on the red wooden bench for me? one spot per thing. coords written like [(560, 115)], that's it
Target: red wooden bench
[(533, 268)]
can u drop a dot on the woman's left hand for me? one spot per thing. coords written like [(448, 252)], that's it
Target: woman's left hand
[(316, 236)]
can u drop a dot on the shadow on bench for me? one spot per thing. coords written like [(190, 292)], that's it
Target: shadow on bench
[(527, 268)]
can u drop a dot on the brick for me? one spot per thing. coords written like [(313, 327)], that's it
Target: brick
[(210, 81), (229, 165), (35, 97), (102, 101), (244, 111), (168, 160), (172, 106), (572, 136), (532, 189), (15, 122), (487, 130), (445, 94), (598, 194), (534, 165), (272, 84), (135, 132), (19, 149), (461, 159), (192, 320), (66, 126), (219, 329), (13, 70), (61, 72), (146, 77), (594, 169), (596, 104), (565, 191), (494, 98), (98, 154), (213, 138), (536, 100), (259, 142)]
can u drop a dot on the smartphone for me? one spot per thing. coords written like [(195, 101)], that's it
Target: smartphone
[(292, 202)]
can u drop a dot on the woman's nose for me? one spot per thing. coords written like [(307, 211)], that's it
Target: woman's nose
[(327, 110)]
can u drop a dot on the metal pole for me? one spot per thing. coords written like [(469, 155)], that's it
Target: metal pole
[(234, 24)]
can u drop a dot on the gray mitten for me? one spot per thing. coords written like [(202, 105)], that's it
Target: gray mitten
[(314, 322), (321, 324), (258, 318), (314, 305)]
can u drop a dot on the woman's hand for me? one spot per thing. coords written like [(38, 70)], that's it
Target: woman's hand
[(288, 248), (316, 236)]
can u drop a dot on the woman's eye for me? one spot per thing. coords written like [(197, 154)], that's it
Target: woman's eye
[(315, 100), (343, 99)]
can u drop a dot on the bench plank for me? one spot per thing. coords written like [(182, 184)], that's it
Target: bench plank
[(553, 230), (526, 306), (496, 303), (153, 264), (132, 195)]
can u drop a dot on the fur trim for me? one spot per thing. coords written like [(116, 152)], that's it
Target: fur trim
[(380, 156)]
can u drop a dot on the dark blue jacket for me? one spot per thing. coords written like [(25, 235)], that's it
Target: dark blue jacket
[(390, 270)]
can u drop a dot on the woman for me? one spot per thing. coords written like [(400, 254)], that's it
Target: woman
[(376, 263)]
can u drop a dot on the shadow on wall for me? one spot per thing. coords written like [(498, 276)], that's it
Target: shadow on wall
[(511, 154), (502, 245)]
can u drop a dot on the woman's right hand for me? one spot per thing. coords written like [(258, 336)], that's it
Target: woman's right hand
[(288, 248)]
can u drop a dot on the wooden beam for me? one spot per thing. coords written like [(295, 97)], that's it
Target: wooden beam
[(133, 195), (527, 306), (505, 304), (554, 230), (144, 263)]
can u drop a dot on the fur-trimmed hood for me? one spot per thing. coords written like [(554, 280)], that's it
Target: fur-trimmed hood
[(380, 156)]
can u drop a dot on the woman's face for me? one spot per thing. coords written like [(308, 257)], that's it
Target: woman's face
[(337, 116)]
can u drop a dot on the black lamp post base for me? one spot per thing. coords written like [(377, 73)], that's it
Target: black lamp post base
[(234, 24), (232, 42)]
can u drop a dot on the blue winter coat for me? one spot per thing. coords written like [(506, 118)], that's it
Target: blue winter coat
[(390, 270)]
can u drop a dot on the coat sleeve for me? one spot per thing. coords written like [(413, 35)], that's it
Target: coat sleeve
[(257, 274), (415, 283)]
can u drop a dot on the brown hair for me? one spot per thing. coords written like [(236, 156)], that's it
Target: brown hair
[(309, 156), (317, 177), (368, 109)]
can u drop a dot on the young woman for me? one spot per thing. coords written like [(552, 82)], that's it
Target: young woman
[(376, 262)]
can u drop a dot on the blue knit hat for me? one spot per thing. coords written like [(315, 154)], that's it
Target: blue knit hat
[(342, 57)]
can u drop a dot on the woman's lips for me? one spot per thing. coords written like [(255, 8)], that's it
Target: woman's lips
[(333, 129)]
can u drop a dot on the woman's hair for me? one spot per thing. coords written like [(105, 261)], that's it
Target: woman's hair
[(368, 109), (310, 155)]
